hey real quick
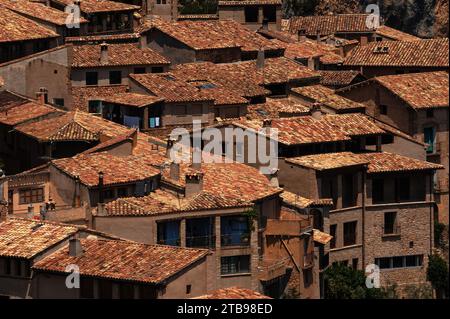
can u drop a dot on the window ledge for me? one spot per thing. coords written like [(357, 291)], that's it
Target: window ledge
[(391, 235), (236, 275), (346, 247)]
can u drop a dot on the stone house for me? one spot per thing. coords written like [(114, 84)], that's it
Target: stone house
[(382, 213), (416, 104)]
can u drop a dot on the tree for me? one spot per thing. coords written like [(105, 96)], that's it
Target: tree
[(343, 282), (437, 274)]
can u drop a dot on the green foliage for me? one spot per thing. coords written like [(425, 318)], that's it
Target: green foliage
[(251, 215), (299, 7), (198, 6), (439, 229), (343, 282), (292, 293), (418, 292), (437, 273)]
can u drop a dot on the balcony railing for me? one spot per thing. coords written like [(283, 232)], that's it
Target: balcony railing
[(308, 261), (201, 241), (236, 239), (391, 230)]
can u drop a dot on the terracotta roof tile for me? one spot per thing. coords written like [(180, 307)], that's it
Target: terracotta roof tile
[(116, 170), (119, 54), (170, 88), (14, 27), (311, 49), (377, 162), (27, 238), (103, 38), (321, 237), (163, 202), (233, 293), (302, 202), (206, 35), (276, 108), (218, 93), (200, 16), (247, 2), (81, 95), (131, 99), (327, 97), (124, 260), (38, 11), (423, 53), (329, 24), (395, 34), (94, 6), (338, 78), (419, 90), (354, 124)]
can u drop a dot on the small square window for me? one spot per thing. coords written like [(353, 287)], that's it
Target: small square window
[(59, 102), (115, 77), (139, 70), (157, 69), (91, 78)]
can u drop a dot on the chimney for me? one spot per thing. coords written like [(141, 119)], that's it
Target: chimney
[(100, 188), (104, 53), (194, 184), (260, 60), (143, 42), (273, 177), (75, 248), (267, 125), (42, 95), (174, 171), (75, 2), (170, 143), (265, 24), (301, 35), (316, 111)]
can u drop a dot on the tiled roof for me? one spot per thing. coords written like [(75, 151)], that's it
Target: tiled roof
[(200, 16), (423, 53), (14, 27), (38, 11), (329, 161), (233, 292), (302, 202), (419, 90), (338, 78), (395, 34), (231, 180), (103, 38), (131, 99), (308, 130), (218, 93), (310, 49), (243, 77), (170, 88), (95, 6), (377, 162), (124, 260), (81, 95), (395, 131), (163, 202), (119, 54), (206, 35), (24, 112), (327, 96), (116, 169), (276, 108), (389, 162), (247, 2), (329, 24), (321, 237), (26, 238)]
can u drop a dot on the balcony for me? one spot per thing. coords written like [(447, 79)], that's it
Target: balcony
[(272, 268), (235, 239), (278, 227), (201, 242), (308, 261), (391, 231)]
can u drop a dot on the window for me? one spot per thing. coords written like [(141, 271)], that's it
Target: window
[(402, 188), (390, 223), (355, 263), (235, 265), (59, 102), (350, 233), (115, 77), (95, 107), (196, 109), (122, 192), (86, 288), (139, 70), (32, 195), (333, 229), (307, 277), (169, 233), (157, 69), (383, 109), (251, 13), (108, 194), (430, 113), (349, 196), (270, 13), (200, 232), (377, 190), (399, 261), (179, 110), (188, 289), (235, 231), (429, 134), (91, 78)]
